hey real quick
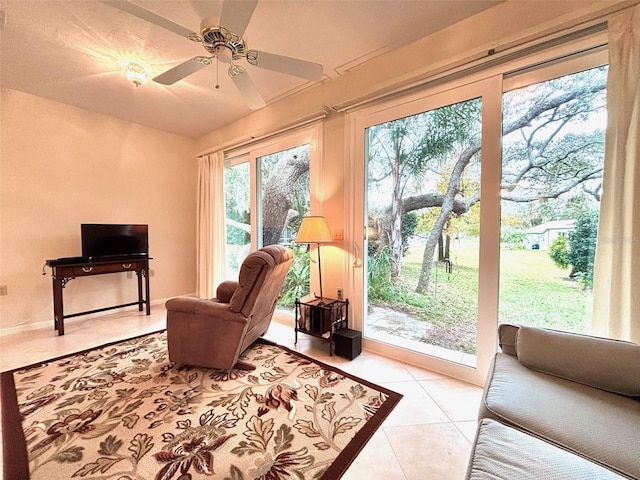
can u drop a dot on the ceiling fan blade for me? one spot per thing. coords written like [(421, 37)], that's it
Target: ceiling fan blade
[(288, 65), (236, 14), (246, 87), (144, 14), (182, 70)]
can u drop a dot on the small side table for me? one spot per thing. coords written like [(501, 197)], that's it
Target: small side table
[(321, 317)]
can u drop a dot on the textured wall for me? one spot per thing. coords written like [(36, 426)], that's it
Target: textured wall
[(62, 166)]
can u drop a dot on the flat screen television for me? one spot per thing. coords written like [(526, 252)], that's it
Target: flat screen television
[(114, 240)]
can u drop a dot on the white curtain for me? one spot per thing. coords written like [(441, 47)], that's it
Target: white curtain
[(211, 234), (616, 308)]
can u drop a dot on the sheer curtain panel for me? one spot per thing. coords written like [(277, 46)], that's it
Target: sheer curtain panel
[(211, 233), (616, 309)]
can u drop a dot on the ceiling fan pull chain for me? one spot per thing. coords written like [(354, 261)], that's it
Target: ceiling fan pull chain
[(217, 73)]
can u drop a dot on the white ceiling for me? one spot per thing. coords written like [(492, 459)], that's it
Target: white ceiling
[(74, 51)]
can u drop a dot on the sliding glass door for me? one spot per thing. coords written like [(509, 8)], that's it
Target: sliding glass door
[(267, 193), (283, 189), (423, 204), (481, 206), (422, 271)]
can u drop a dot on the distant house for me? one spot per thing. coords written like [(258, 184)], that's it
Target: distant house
[(542, 236)]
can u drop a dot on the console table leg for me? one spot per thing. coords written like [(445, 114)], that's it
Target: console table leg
[(295, 342), (139, 275), (146, 287), (58, 308)]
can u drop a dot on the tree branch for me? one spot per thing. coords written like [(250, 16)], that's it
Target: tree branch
[(428, 200), (577, 180)]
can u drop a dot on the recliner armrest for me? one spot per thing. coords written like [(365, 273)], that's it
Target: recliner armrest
[(201, 306), (225, 290)]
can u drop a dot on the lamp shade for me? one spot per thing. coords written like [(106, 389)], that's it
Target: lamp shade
[(313, 230)]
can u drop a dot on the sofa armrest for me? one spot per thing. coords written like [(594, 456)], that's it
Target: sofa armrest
[(603, 363), (507, 334)]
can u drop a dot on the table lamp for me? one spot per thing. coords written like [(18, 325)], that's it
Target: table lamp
[(314, 229)]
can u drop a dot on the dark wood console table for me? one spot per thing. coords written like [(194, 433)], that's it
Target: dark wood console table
[(65, 269)]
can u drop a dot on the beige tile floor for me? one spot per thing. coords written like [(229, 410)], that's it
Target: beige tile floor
[(427, 436)]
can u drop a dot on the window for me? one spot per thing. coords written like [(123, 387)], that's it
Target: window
[(237, 180), (423, 191), (267, 192), (467, 188), (424, 272), (552, 162)]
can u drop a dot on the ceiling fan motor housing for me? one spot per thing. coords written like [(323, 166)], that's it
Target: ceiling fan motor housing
[(219, 41)]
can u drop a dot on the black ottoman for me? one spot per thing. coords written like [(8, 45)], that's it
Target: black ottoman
[(348, 343)]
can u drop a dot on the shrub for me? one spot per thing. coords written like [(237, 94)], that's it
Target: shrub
[(408, 229), (296, 284), (559, 252), (582, 247), (380, 286), (512, 235)]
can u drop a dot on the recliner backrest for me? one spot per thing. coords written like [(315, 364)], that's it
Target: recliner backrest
[(261, 277)]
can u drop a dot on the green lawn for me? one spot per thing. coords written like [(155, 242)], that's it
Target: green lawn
[(533, 291)]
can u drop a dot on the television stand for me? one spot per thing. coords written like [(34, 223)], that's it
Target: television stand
[(65, 269)]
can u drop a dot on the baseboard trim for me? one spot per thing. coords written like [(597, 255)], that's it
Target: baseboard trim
[(26, 327)]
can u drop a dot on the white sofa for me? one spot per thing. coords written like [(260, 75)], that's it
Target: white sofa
[(559, 406)]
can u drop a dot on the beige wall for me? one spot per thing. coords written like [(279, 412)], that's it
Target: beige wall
[(61, 166)]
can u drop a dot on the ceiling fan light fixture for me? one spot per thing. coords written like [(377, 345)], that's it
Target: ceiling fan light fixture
[(202, 60), (223, 38), (136, 74), (252, 57), (235, 70)]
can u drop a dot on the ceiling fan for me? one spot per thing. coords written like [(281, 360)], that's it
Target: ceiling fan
[(222, 39)]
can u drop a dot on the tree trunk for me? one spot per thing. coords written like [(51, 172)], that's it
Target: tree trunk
[(443, 218), (396, 221), (429, 250), (276, 200), (447, 247)]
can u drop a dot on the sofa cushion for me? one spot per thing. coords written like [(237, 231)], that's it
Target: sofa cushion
[(501, 452), (612, 365), (591, 422)]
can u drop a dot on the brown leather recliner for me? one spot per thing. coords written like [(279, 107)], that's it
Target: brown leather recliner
[(213, 333)]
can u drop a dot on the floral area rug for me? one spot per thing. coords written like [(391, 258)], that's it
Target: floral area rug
[(123, 411)]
